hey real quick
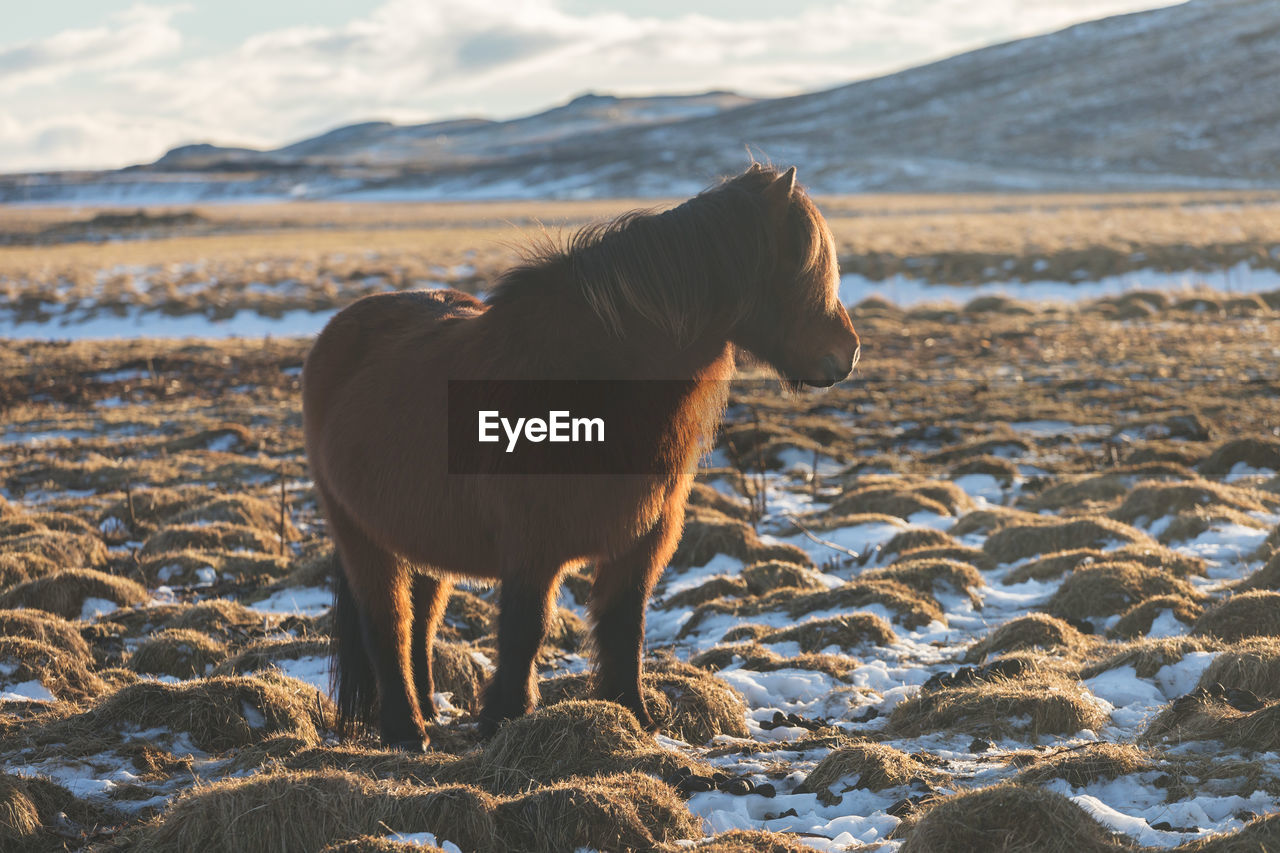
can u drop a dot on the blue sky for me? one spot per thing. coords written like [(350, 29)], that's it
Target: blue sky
[(94, 83)]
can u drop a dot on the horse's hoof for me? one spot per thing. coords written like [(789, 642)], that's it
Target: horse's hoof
[(418, 745)]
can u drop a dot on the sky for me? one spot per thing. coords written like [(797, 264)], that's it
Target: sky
[(107, 83)]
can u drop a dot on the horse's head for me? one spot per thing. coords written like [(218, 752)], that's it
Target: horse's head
[(796, 323)]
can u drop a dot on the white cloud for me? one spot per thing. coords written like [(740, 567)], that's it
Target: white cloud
[(417, 61), (140, 34)]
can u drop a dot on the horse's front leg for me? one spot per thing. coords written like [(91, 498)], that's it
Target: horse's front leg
[(619, 596), (524, 609)]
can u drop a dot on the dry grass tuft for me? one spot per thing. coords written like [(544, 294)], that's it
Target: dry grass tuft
[(1243, 615), (1010, 818), (1018, 541), (627, 811), (708, 532), (1252, 664), (179, 652), (1198, 718), (266, 653), (573, 738), (217, 714), (1109, 588), (873, 766), (847, 631), (759, 658), (379, 844), (457, 672), (288, 811), (912, 608), (1137, 620), (220, 536), (1267, 577), (192, 567), (222, 618), (685, 700), (64, 593), (242, 510), (1093, 762), (1252, 451), (1043, 703), (1149, 655), (1151, 500), (1153, 555), (22, 566), (763, 578), (744, 841), (46, 628), (30, 807), (68, 549), (929, 574), (1033, 631), (67, 675), (917, 537)]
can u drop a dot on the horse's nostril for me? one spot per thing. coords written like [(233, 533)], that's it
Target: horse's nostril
[(834, 369)]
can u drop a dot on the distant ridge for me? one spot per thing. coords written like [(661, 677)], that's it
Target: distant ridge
[(1178, 97)]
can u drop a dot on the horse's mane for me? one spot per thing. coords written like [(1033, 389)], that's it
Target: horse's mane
[(681, 268)]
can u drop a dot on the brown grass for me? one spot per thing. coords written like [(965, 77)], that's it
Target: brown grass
[(219, 536), (1033, 631), (218, 714), (686, 701), (1018, 541), (1137, 620), (303, 812), (847, 631), (66, 675), (1042, 704), (1243, 615), (628, 811), (1151, 500), (874, 766), (179, 652), (1007, 818), (1252, 664), (761, 659), (708, 532), (1251, 450), (573, 738), (1084, 765), (64, 593), (1152, 555), (1108, 588), (1149, 655), (31, 807), (911, 607)]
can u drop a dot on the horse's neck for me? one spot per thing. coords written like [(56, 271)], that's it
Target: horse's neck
[(552, 332)]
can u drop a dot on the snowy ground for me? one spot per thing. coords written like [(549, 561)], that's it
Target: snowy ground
[(940, 416)]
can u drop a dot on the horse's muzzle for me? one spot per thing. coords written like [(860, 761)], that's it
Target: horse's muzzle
[(833, 370)]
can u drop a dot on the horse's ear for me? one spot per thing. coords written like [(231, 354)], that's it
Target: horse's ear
[(778, 193)]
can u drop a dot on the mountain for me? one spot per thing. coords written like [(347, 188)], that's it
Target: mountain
[(1182, 96)]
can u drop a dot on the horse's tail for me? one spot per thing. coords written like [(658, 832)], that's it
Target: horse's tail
[(352, 680)]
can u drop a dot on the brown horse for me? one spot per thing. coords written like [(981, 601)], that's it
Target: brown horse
[(661, 298)]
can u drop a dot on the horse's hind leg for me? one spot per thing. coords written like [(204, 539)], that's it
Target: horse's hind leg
[(380, 585), (619, 595), (524, 602), (430, 595)]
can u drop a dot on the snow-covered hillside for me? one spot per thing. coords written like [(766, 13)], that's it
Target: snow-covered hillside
[(1182, 96)]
